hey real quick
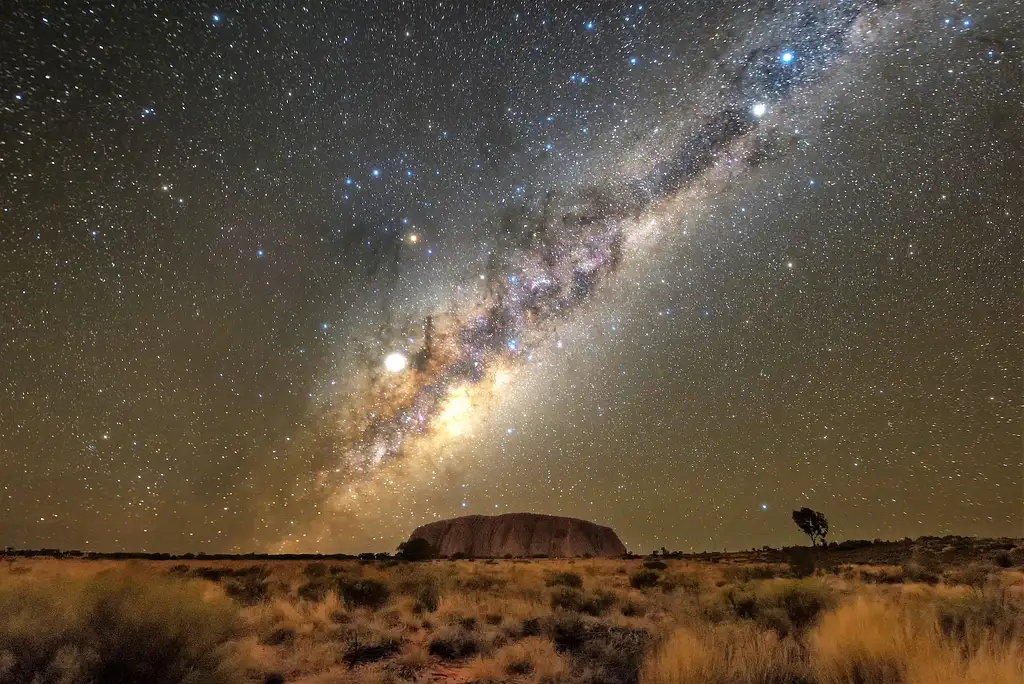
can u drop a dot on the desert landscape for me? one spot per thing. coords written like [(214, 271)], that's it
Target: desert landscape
[(497, 342), (927, 611)]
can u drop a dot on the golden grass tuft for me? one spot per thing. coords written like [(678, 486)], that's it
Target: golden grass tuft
[(725, 654)]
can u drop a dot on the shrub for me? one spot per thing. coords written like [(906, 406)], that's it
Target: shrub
[(566, 598), (529, 627), (632, 609), (279, 636), (364, 593), (1003, 559), (916, 572), (114, 628), (566, 630), (690, 583), (481, 582), (210, 574), (565, 579), (787, 606), (802, 562), (975, 576), (369, 647), (644, 578), (611, 654), (248, 586), (655, 565), (428, 596), (453, 643), (417, 549), (971, 619), (315, 570), (314, 590)]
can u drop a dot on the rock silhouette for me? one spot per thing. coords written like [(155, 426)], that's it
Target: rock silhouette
[(519, 534)]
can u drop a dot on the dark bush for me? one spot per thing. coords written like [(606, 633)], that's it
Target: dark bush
[(689, 582), (574, 600), (429, 596), (115, 628), (360, 652), (644, 578), (565, 579), (315, 570), (788, 607), (917, 572), (210, 574), (632, 609), (966, 619), (802, 562), (417, 549), (481, 582), (281, 636), (530, 627), (248, 586), (566, 598), (314, 591), (1003, 559), (453, 644), (567, 631), (611, 655), (655, 565), (364, 593)]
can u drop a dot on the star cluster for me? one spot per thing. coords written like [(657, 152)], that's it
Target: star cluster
[(305, 277)]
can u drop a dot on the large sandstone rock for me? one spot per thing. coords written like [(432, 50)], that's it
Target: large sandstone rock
[(520, 534)]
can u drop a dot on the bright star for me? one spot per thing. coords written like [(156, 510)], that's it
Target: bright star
[(759, 109), (589, 26), (375, 173), (786, 57), (395, 362)]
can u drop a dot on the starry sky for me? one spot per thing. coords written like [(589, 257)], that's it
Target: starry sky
[(303, 276)]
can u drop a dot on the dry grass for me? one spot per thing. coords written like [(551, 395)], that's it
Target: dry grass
[(539, 621), (726, 654)]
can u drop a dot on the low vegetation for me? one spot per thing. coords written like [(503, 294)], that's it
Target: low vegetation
[(534, 621)]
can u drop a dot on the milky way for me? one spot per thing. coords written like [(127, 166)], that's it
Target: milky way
[(556, 256)]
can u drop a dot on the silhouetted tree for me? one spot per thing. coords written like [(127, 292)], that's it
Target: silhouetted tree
[(812, 523), (417, 549)]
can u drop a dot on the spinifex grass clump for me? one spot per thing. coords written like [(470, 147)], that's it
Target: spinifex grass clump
[(115, 628)]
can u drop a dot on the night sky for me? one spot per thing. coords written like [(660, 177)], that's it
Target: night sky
[(298, 277)]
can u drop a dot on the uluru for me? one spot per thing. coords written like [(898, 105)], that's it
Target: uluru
[(519, 534)]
